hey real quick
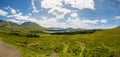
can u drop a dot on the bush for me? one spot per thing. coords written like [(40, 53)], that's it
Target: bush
[(33, 35), (14, 33)]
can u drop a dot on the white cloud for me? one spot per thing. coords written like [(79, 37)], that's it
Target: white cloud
[(16, 14), (90, 21), (78, 21), (13, 20), (44, 17), (57, 7), (103, 21), (16, 21), (103, 27), (19, 16), (51, 22), (29, 14), (51, 3), (74, 23), (34, 7), (59, 12), (13, 11), (3, 13), (117, 17), (81, 4), (74, 15)]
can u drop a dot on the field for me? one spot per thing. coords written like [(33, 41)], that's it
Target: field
[(104, 43)]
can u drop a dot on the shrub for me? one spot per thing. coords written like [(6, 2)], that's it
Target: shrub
[(33, 35)]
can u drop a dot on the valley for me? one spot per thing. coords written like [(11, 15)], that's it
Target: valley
[(35, 43)]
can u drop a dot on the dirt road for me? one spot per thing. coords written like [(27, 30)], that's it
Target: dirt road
[(8, 51)]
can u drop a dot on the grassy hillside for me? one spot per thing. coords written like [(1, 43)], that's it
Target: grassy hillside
[(104, 43)]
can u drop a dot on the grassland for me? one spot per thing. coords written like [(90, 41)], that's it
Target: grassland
[(99, 44)]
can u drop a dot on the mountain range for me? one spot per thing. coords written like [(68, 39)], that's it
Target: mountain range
[(31, 26)]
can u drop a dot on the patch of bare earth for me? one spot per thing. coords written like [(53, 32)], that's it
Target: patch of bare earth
[(8, 51)]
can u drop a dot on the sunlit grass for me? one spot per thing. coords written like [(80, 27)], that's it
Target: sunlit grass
[(99, 44)]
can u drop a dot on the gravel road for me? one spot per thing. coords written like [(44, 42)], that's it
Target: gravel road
[(8, 51)]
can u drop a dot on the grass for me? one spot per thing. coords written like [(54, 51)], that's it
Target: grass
[(99, 44)]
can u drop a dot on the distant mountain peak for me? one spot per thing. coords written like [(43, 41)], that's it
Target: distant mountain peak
[(29, 23)]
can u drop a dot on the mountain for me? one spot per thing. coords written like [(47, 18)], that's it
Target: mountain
[(74, 30), (30, 24), (7, 24), (64, 30), (33, 27), (25, 27), (118, 27)]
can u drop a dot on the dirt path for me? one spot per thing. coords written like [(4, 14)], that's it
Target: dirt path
[(65, 47), (8, 51), (82, 46)]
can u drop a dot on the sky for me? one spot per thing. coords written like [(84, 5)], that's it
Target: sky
[(63, 13)]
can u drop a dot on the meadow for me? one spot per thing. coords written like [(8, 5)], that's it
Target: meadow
[(104, 43)]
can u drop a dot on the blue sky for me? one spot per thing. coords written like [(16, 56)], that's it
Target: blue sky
[(63, 13)]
